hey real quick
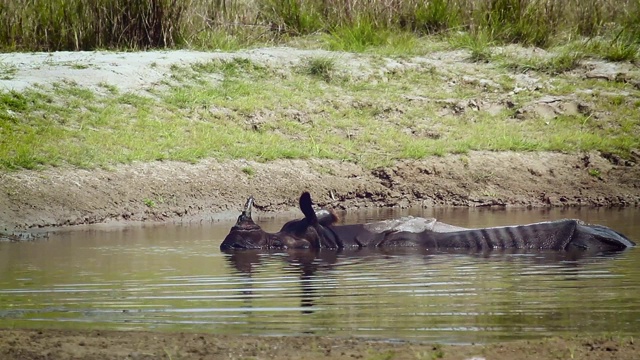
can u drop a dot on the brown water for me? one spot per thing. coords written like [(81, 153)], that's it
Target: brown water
[(174, 277)]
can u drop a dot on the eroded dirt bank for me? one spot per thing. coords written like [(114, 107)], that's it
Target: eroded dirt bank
[(61, 344), (174, 191)]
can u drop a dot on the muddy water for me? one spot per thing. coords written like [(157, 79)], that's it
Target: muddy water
[(173, 277)]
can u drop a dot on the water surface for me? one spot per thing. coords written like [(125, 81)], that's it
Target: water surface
[(174, 277)]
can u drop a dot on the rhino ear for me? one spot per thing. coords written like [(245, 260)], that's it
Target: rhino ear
[(248, 206), (307, 208), (245, 220), (327, 217)]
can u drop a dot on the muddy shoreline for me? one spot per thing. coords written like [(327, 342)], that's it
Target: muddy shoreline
[(102, 344), (211, 189), (181, 192)]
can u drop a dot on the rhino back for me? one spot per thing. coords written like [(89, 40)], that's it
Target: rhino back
[(545, 235)]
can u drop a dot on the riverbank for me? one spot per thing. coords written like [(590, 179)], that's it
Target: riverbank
[(93, 137), (211, 189), (185, 136), (100, 344)]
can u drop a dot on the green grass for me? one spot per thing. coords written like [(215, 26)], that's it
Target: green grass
[(249, 111), (355, 26), (434, 16), (7, 72), (357, 37), (293, 16), (323, 67), (525, 22), (594, 172), (619, 48), (555, 64), (478, 44), (149, 203), (385, 26), (13, 101), (249, 170)]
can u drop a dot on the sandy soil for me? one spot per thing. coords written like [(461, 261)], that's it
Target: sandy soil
[(61, 344)]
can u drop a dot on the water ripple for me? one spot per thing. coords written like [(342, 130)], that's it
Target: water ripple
[(182, 283)]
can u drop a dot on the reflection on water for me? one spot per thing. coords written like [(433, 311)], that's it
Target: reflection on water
[(174, 277)]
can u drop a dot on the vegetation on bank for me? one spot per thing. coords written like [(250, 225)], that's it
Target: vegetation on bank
[(239, 108), (242, 109), (53, 25)]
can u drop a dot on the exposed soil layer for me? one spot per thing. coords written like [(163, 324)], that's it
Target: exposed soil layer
[(62, 344), (174, 191)]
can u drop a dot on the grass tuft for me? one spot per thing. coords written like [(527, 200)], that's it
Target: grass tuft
[(622, 48), (357, 37), (292, 16), (13, 101), (7, 72), (478, 44), (526, 22), (322, 67), (249, 170), (436, 16), (559, 63)]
